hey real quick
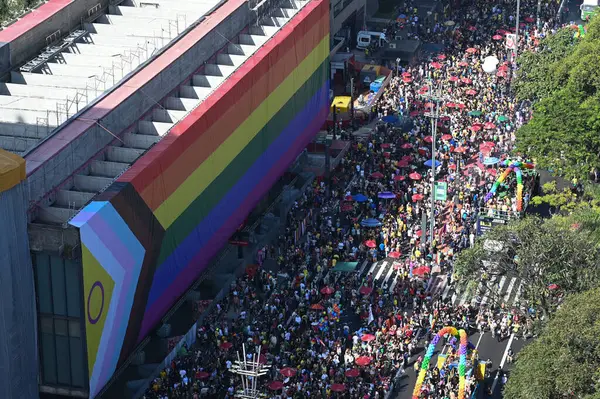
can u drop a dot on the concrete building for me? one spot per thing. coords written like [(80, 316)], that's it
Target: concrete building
[(149, 131)]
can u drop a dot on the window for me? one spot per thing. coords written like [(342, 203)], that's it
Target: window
[(59, 293), (337, 8)]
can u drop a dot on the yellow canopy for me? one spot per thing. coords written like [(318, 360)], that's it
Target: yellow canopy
[(342, 103), (12, 170)]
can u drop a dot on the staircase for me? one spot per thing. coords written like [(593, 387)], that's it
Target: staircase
[(118, 157)]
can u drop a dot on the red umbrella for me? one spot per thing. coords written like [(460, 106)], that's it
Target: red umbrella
[(450, 105), (367, 338), (428, 139), (202, 375), (370, 244), (406, 146), (403, 164), (460, 150), (503, 68), (497, 37), (472, 28), (471, 50), (492, 171), (452, 167), (226, 345), (461, 106), (466, 81), (441, 57), (463, 64), (417, 197), (394, 254), (399, 178), (453, 78), (429, 105), (415, 176), (553, 287), (406, 74), (470, 92), (376, 175), (406, 158), (363, 361), (353, 373), (446, 137), (338, 387), (489, 125), (407, 79), (501, 74), (275, 385), (287, 372), (421, 271), (365, 290), (385, 145), (436, 65), (326, 291), (424, 88), (317, 306), (475, 128)]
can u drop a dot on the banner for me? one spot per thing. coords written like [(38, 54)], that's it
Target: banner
[(440, 361), (301, 229), (511, 41)]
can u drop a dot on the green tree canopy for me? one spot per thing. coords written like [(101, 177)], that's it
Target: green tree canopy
[(541, 253), (564, 361), (564, 82)]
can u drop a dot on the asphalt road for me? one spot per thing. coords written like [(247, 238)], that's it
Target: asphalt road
[(488, 347)]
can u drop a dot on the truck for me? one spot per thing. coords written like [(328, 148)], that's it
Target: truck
[(364, 39), (588, 8)]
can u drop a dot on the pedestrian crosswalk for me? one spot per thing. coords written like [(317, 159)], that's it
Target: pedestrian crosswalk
[(499, 290), (383, 272)]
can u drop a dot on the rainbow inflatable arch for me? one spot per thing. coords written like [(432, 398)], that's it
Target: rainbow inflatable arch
[(462, 360), (511, 166)]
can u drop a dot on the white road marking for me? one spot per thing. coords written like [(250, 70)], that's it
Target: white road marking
[(479, 340), (519, 290), (381, 269), (485, 298), (389, 274), (446, 292), (510, 287), (363, 266), (372, 267), (510, 340)]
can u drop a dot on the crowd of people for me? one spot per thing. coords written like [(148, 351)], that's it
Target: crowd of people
[(346, 334)]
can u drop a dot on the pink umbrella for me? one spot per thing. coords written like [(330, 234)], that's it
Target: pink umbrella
[(417, 197), (370, 244), (503, 68), (399, 178), (394, 254), (406, 146), (353, 373), (497, 37), (501, 74), (338, 387), (363, 361), (415, 176), (453, 78), (202, 375), (475, 128), (471, 50), (429, 105), (489, 125), (287, 372), (421, 271), (529, 19), (446, 137), (226, 345), (428, 139), (365, 290), (460, 150), (463, 64), (376, 175), (403, 164), (436, 65), (553, 287), (472, 28), (275, 385), (367, 338), (327, 290), (441, 57), (407, 79), (471, 92), (466, 80)]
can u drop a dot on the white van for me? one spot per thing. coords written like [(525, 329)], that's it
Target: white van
[(588, 8), (365, 38)]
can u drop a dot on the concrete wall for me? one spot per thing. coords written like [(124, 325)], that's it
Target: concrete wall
[(350, 7), (18, 341), (83, 148), (30, 42)]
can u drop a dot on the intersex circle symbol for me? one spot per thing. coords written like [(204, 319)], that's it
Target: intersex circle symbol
[(94, 320)]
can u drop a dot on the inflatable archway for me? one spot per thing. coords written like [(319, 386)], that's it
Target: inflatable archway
[(462, 360), (511, 166)]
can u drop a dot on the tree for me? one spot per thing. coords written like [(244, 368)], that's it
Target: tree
[(564, 362), (563, 133), (568, 201), (549, 257)]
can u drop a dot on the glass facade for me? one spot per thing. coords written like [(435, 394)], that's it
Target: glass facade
[(61, 337)]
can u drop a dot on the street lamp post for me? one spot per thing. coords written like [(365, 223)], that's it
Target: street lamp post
[(517, 32)]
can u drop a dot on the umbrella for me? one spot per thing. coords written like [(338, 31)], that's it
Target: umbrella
[(460, 150), (461, 106), (450, 105), (502, 32), (503, 68), (436, 65), (475, 128), (406, 74), (453, 78), (326, 291), (338, 387), (463, 64), (390, 119), (553, 287), (428, 139), (452, 167), (466, 81), (428, 163), (491, 171), (489, 125), (472, 28), (367, 338), (490, 161), (394, 254), (370, 222), (471, 50), (275, 385), (402, 16), (346, 207), (420, 271), (353, 373), (363, 360), (446, 137), (501, 74), (429, 105), (365, 290), (417, 197), (441, 57), (471, 92), (317, 306), (376, 175), (386, 195), (406, 158), (287, 372), (370, 244), (475, 113), (360, 198), (385, 145), (424, 88), (502, 118), (403, 164), (415, 176), (399, 178), (226, 345), (202, 375), (497, 37), (406, 146), (407, 79)]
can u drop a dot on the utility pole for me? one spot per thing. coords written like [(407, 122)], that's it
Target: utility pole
[(539, 10), (352, 103), (517, 32), (434, 96)]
